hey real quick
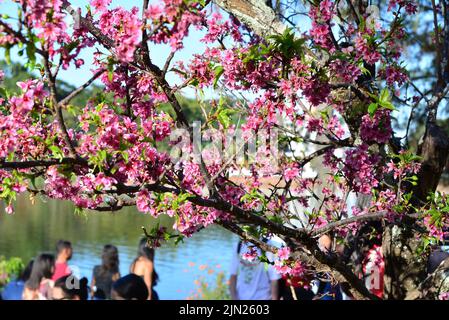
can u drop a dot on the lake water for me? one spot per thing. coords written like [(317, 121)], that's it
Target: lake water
[(36, 228)]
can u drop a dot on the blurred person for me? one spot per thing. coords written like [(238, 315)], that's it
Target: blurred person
[(323, 287), (39, 285), (436, 257), (70, 287), (130, 287), (143, 266), (373, 265), (14, 289), (252, 279), (105, 274), (63, 254), (325, 243), (363, 251), (295, 288)]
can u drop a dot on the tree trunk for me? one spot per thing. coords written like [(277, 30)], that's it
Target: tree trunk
[(404, 268)]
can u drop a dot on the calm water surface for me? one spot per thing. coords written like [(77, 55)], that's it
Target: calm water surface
[(36, 228)]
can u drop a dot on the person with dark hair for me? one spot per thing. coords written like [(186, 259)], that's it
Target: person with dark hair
[(435, 259), (106, 273), (63, 254), (70, 288), (130, 287), (14, 289), (39, 285), (143, 266)]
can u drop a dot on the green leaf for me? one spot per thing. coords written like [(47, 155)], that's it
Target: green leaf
[(110, 75), (125, 156), (179, 239), (218, 72), (57, 152), (372, 108), (388, 105), (110, 69), (224, 119), (102, 155), (180, 199), (384, 95), (8, 55), (364, 70), (194, 82), (72, 110), (4, 92), (31, 54), (385, 99)]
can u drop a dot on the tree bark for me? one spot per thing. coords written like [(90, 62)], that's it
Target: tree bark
[(434, 285), (255, 14), (404, 268)]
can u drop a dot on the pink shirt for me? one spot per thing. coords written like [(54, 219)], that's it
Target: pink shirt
[(374, 270), (61, 270)]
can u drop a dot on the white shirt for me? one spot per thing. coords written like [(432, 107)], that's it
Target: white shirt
[(253, 277)]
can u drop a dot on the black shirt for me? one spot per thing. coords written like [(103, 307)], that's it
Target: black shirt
[(103, 282)]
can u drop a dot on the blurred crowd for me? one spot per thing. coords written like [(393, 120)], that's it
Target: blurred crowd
[(49, 277)]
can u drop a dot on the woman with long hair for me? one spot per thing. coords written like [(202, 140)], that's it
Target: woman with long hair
[(105, 274), (143, 266), (39, 285)]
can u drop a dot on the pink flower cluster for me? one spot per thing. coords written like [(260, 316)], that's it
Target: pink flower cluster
[(434, 229), (100, 5), (394, 75), (171, 21), (321, 24), (402, 170), (345, 71), (191, 218), (251, 254), (366, 50), (125, 28), (316, 91), (377, 128), (410, 6), (360, 169), (17, 127), (145, 204), (47, 18), (291, 172), (444, 296), (217, 31), (286, 265)]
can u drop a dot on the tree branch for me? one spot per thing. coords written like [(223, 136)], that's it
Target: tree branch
[(255, 14), (40, 163), (80, 89)]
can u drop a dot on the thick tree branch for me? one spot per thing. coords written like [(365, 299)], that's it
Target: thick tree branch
[(255, 14), (40, 163)]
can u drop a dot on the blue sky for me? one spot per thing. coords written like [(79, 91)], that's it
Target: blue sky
[(158, 53)]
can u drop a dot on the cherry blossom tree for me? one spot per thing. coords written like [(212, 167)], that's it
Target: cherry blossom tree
[(305, 114)]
